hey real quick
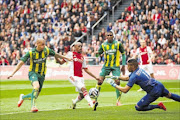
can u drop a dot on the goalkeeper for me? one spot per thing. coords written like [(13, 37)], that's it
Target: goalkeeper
[(154, 89), (112, 49)]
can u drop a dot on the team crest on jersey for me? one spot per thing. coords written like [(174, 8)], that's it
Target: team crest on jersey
[(78, 60)]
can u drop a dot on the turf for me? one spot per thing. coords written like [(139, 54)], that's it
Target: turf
[(55, 100)]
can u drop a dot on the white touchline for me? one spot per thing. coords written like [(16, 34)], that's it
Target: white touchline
[(79, 107)]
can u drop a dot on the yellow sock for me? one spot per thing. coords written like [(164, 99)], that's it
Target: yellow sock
[(98, 87)]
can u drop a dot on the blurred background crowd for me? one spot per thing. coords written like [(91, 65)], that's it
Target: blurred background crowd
[(61, 22)]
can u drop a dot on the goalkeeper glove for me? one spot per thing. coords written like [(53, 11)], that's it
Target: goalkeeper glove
[(115, 77), (111, 82)]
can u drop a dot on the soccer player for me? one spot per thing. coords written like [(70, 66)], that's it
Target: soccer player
[(112, 50), (145, 55), (37, 70), (154, 89), (76, 76)]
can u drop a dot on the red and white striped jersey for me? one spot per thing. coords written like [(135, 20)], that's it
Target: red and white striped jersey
[(77, 64), (144, 55)]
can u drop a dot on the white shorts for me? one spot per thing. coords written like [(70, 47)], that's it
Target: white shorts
[(78, 82), (148, 68)]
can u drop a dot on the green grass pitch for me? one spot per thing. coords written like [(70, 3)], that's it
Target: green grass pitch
[(55, 100)]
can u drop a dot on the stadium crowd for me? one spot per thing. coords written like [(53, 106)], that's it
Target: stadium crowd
[(155, 21), (60, 23)]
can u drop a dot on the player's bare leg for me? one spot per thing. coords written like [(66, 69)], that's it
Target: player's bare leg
[(23, 97), (86, 96), (118, 94), (88, 99), (78, 99), (34, 96)]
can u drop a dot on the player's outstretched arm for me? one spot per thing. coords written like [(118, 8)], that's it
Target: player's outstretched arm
[(123, 78), (62, 61), (19, 65), (62, 57), (122, 89), (91, 74)]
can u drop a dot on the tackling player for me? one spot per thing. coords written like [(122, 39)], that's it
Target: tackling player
[(37, 70), (76, 76), (112, 50), (154, 89)]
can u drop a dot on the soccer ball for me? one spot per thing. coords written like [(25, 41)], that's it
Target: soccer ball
[(93, 93)]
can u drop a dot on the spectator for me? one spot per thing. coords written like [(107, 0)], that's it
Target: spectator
[(109, 4), (83, 28), (156, 16), (163, 30), (109, 28), (175, 49), (177, 25), (90, 23), (122, 17), (162, 40), (4, 61), (173, 20), (77, 32)]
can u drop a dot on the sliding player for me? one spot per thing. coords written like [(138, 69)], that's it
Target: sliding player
[(154, 89)]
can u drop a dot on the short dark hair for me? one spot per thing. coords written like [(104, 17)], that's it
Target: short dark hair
[(134, 62)]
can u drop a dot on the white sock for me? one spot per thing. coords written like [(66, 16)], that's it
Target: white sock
[(78, 99), (88, 99)]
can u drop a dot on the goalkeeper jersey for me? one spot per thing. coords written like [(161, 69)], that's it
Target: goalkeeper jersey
[(38, 60), (112, 52)]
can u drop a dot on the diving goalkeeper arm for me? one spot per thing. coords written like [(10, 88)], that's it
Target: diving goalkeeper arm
[(122, 89)]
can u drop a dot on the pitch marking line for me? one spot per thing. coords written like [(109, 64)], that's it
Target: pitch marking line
[(78, 108)]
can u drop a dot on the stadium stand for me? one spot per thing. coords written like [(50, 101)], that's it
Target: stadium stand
[(155, 21)]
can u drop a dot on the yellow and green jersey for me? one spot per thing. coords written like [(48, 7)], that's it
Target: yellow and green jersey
[(112, 52), (38, 60)]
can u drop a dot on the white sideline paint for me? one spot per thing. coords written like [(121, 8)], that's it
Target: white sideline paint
[(81, 107)]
